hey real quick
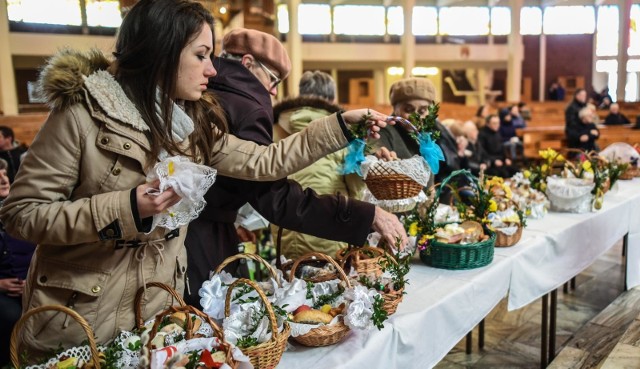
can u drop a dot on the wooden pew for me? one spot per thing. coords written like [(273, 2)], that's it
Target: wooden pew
[(25, 126), (540, 138)]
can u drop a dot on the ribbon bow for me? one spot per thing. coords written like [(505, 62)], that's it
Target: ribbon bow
[(430, 151)]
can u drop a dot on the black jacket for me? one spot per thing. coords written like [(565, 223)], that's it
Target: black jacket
[(491, 143), (613, 119), (572, 120), (583, 129), (212, 237)]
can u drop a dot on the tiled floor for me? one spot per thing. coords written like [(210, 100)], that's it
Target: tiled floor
[(512, 339)]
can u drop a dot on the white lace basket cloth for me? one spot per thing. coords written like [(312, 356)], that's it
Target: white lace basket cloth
[(415, 168), (189, 180), (570, 195)]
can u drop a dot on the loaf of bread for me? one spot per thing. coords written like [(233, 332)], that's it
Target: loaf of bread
[(312, 317)]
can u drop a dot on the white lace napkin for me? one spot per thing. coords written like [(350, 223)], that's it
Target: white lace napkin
[(189, 180)]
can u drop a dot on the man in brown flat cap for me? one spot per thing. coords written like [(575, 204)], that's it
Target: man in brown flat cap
[(415, 95), (250, 67)]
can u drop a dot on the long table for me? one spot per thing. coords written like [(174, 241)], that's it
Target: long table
[(441, 306)]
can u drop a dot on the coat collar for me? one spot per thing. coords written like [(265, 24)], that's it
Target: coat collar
[(236, 78), (302, 102)]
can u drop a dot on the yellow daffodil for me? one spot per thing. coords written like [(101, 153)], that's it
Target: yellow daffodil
[(493, 206), (413, 229), (507, 191), (544, 168), (526, 174), (586, 165), (171, 168), (543, 154), (560, 158), (543, 187)]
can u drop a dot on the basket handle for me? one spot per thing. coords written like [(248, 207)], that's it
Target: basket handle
[(327, 258), (190, 310), (72, 313), (137, 303), (463, 172), (356, 252), (253, 257), (265, 301)]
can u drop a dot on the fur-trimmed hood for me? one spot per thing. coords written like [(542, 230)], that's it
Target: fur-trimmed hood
[(61, 80), (71, 77), (301, 102)]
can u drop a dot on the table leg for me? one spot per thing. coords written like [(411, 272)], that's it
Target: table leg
[(470, 342), (544, 335), (553, 310), (481, 335), (625, 244), (565, 288), (573, 283)]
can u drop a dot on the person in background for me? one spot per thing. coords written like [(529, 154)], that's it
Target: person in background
[(15, 256), (585, 135), (605, 100), (525, 112), (481, 115), (510, 120), (573, 123), (11, 151), (615, 117), (594, 111), (491, 142), (317, 99), (250, 68), (478, 160), (81, 193), (556, 92)]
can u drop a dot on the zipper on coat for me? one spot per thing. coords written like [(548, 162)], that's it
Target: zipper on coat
[(70, 304)]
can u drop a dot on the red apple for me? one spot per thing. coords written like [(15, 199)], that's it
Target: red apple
[(302, 308)]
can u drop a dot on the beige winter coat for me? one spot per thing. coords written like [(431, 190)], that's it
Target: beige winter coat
[(72, 198)]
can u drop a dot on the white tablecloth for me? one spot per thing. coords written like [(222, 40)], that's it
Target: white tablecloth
[(441, 306)]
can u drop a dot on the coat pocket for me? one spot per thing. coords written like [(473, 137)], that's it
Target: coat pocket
[(78, 287)]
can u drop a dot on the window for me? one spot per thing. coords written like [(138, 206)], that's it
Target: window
[(567, 20), (103, 13), (65, 12), (634, 33), (463, 21), (359, 20), (424, 21), (283, 18), (530, 20), (501, 20), (608, 29), (314, 19)]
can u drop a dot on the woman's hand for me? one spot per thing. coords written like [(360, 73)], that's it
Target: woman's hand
[(375, 123), (390, 228), (12, 286), (152, 204)]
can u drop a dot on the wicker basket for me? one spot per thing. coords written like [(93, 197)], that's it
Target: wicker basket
[(265, 355), (630, 173), (286, 267), (14, 346), (328, 334), (217, 332), (253, 257), (503, 239), (137, 303), (387, 184), (455, 256), (363, 264), (392, 300)]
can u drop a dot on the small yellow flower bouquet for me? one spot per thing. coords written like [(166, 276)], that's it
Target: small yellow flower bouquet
[(537, 174)]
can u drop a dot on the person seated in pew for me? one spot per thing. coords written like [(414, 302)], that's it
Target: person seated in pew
[(615, 117), (585, 135), (491, 142)]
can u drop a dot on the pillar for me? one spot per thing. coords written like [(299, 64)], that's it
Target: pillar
[(379, 86), (623, 54), (408, 43), (8, 91), (542, 71), (294, 48), (514, 59)]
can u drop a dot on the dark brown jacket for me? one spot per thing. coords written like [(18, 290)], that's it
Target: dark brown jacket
[(212, 237)]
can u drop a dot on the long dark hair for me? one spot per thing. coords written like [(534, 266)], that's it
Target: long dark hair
[(150, 42)]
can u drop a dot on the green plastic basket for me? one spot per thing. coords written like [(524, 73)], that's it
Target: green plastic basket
[(456, 256)]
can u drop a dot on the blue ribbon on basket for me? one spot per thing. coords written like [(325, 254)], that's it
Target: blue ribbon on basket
[(354, 157), (430, 151)]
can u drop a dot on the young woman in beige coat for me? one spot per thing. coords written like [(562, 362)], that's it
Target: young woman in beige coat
[(81, 192)]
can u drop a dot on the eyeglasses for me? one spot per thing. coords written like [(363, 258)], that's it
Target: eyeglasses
[(275, 81)]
